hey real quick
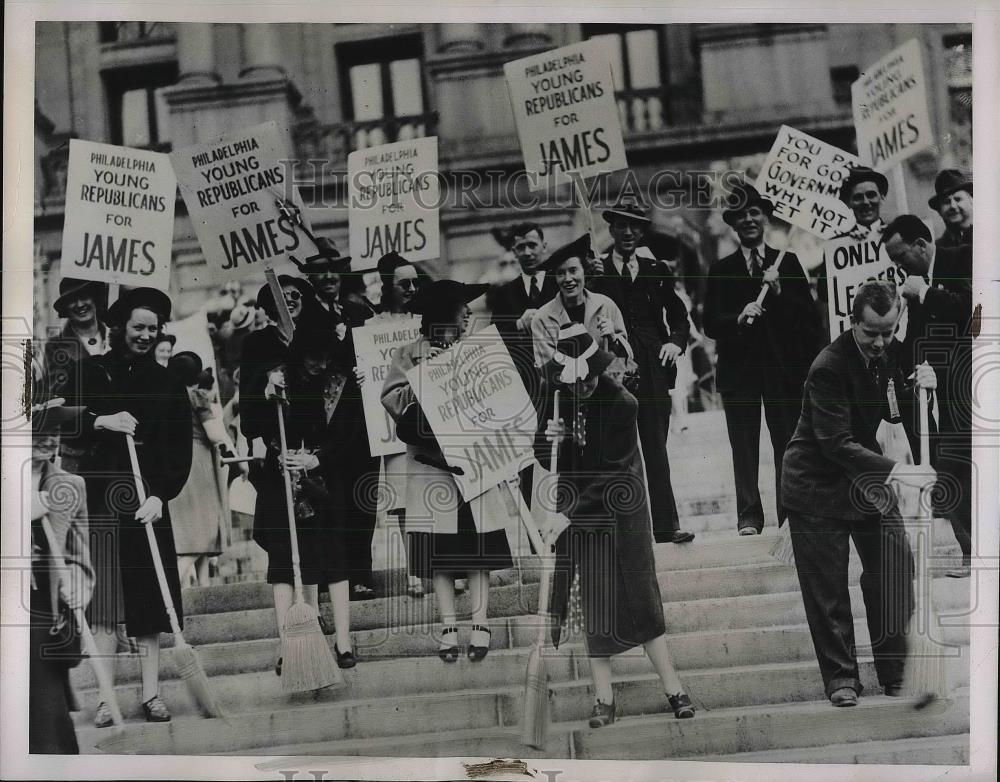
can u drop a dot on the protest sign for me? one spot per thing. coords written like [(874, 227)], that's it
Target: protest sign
[(233, 187), (395, 195), (802, 176), (566, 113), (119, 224), (850, 263), (375, 345), (890, 109), (478, 410)]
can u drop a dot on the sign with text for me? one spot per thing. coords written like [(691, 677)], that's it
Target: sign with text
[(566, 113), (119, 224), (375, 346), (395, 195), (890, 108), (851, 262), (234, 188), (802, 176), (478, 410)]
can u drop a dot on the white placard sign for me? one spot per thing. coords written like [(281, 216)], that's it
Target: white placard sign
[(119, 224), (850, 263), (375, 345), (395, 196), (232, 187), (478, 410), (566, 113), (802, 176), (890, 108)]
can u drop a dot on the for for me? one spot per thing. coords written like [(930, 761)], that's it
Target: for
[(794, 157), (245, 209)]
